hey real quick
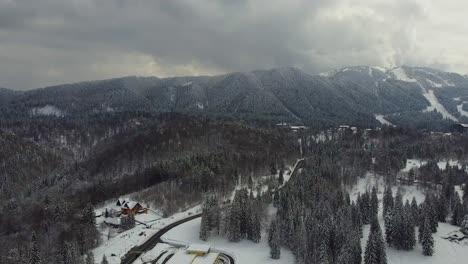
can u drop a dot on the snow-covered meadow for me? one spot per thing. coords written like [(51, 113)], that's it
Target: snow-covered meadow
[(245, 251), (116, 247), (445, 251)]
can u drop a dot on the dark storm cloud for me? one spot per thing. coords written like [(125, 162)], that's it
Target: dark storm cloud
[(44, 42)]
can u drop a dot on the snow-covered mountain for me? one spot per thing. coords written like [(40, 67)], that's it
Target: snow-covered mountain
[(360, 95)]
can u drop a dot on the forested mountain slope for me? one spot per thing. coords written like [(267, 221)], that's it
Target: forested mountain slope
[(352, 95)]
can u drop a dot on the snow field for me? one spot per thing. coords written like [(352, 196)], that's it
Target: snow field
[(116, 247), (245, 252)]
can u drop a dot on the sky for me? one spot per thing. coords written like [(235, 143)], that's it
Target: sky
[(47, 42)]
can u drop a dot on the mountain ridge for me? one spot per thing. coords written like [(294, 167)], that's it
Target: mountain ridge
[(354, 95)]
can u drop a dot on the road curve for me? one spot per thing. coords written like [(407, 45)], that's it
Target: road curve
[(137, 251)]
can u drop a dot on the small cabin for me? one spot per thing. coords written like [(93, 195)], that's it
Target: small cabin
[(132, 208)]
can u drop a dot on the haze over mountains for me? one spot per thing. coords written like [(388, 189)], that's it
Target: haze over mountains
[(359, 95)]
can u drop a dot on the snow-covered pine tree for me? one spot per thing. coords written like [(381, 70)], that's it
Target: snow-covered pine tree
[(431, 211), (234, 232), (425, 237), (389, 226), (203, 234), (457, 211), (273, 240), (375, 247), (374, 203), (464, 225), (409, 240), (34, 256), (300, 239), (89, 258), (256, 226), (387, 202), (104, 260), (355, 240), (323, 253), (281, 177), (443, 208), (345, 255), (415, 211)]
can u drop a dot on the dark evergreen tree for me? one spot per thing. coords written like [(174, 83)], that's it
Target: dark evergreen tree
[(387, 201), (375, 247), (204, 229), (425, 237), (374, 203), (415, 211), (323, 254), (281, 177), (89, 258), (34, 255), (104, 260), (273, 241)]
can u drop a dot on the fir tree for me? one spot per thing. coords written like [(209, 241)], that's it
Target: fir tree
[(300, 248), (415, 211), (203, 234), (375, 247), (323, 253), (374, 203), (256, 227), (356, 247), (457, 211), (89, 258), (425, 238), (387, 201), (389, 227), (281, 177), (273, 241), (35, 257), (104, 260)]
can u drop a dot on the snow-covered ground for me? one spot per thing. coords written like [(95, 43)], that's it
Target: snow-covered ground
[(244, 251), (445, 251), (416, 163), (461, 111), (430, 96), (47, 110), (383, 121), (370, 180), (116, 247)]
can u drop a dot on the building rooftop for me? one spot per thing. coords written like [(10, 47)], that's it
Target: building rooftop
[(182, 257), (209, 258), (198, 248)]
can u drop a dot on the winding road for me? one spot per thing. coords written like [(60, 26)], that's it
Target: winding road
[(137, 251)]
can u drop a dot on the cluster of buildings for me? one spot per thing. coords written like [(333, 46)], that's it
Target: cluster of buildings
[(192, 254)]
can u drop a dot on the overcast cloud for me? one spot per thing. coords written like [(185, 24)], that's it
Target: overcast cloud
[(45, 42)]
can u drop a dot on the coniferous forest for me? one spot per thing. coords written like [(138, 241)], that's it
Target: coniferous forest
[(56, 169)]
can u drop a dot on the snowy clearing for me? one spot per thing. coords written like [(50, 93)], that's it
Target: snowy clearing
[(461, 111), (400, 74), (445, 251), (245, 251), (383, 121), (369, 181), (116, 247), (416, 163), (430, 96), (47, 110)]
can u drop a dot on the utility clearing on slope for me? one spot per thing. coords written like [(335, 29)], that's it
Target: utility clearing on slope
[(383, 121), (400, 74)]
